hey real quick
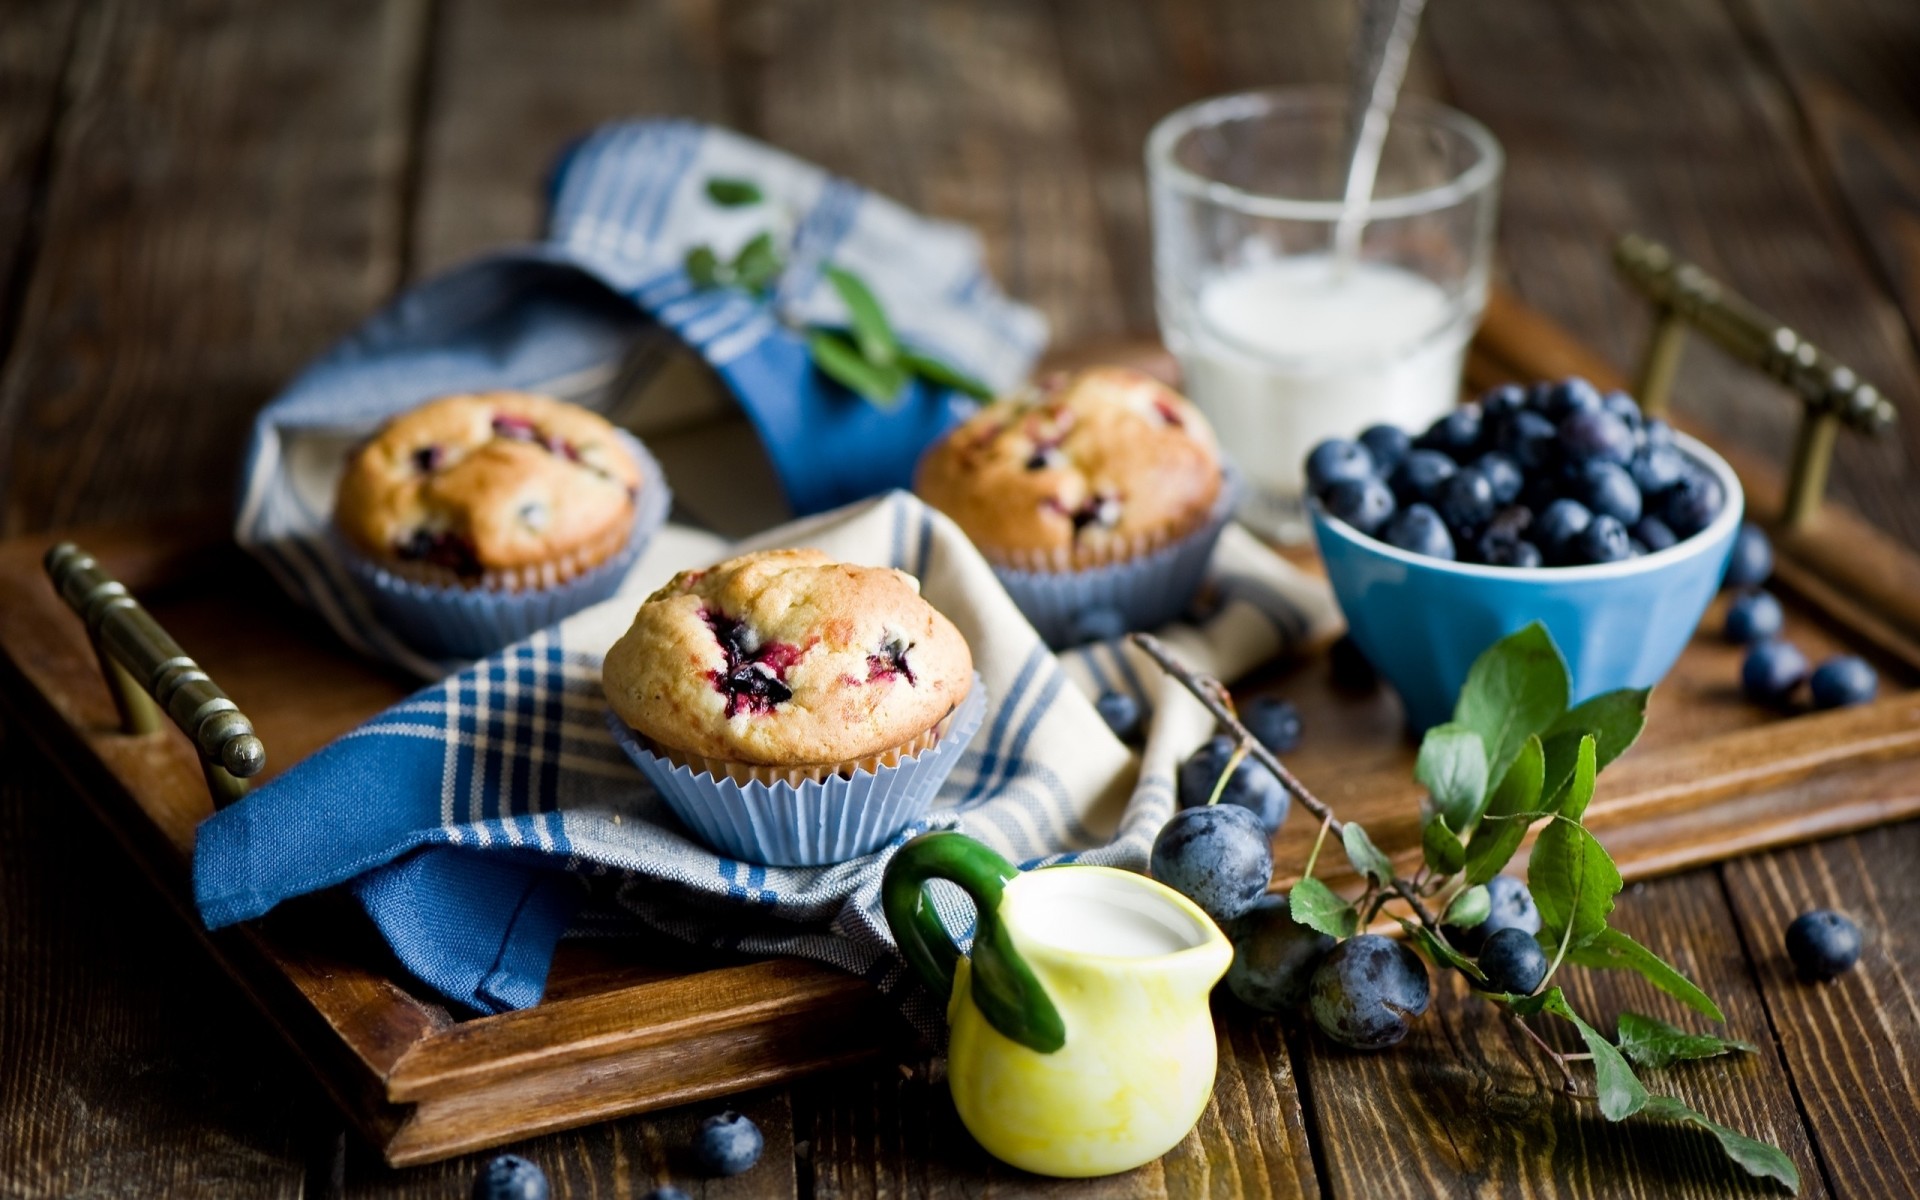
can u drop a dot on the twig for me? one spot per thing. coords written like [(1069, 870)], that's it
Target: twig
[(1559, 1060), (1206, 691)]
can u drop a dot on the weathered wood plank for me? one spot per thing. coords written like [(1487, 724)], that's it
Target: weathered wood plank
[(1853, 1045)]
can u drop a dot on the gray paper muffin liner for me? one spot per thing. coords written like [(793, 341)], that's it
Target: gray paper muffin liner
[(813, 823)]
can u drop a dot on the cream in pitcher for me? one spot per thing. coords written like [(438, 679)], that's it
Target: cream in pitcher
[(1081, 1038)]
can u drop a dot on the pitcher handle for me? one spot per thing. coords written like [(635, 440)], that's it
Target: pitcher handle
[(1004, 987)]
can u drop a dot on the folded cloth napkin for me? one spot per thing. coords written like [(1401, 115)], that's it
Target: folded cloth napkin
[(468, 818), (627, 204)]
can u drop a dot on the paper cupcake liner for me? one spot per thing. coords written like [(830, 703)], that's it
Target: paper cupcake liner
[(1145, 591), (473, 620), (814, 822), (741, 772)]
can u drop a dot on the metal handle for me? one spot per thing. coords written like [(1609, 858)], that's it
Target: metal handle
[(1685, 297), (147, 672)]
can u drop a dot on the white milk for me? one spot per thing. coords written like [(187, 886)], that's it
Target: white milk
[(1096, 917), (1281, 354)]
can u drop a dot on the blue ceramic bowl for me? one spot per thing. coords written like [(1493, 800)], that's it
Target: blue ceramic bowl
[(1422, 621)]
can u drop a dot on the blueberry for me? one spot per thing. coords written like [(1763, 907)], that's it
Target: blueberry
[(1252, 787), (1653, 533), (1570, 396), (1417, 529), (1656, 432), (1513, 962), (1511, 907), (1752, 559), (1498, 549), (1771, 671), (1121, 712), (1607, 490), (1657, 468), (1823, 944), (1500, 403), (1216, 856), (1364, 504), (1692, 504), (1528, 438), (1502, 474), (1274, 957), (1753, 617), (1604, 540), (510, 1177), (1349, 667), (1388, 444), (728, 1143), (1274, 722), (1457, 434), (1596, 436), (1336, 459), (1555, 529), (1623, 406), (1466, 502), (1843, 681), (1366, 990), (1097, 625), (1512, 521), (1418, 478)]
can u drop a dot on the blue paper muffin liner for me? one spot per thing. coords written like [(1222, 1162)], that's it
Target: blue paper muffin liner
[(1069, 607), (813, 823), (469, 623)]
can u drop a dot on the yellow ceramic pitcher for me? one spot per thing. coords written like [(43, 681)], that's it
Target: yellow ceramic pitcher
[(1081, 1038)]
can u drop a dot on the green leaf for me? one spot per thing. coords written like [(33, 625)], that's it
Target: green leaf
[(1620, 1090), (1364, 855), (835, 356), (703, 267), (871, 331), (1654, 1043), (1469, 908), (1580, 787), (1573, 882), (1515, 689), (1512, 808), (1315, 905), (944, 374), (1453, 767), (1612, 950), (1442, 954), (733, 193), (758, 264), (1615, 720), (1755, 1157), (1443, 850)]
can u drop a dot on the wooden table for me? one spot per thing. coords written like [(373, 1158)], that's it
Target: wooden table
[(196, 196)]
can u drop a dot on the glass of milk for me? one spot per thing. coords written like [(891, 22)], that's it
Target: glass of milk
[(1282, 340)]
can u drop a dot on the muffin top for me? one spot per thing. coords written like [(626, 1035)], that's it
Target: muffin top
[(787, 657), (1091, 467), (491, 481)]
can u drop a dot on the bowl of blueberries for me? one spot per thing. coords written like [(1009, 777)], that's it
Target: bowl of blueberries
[(1554, 503)]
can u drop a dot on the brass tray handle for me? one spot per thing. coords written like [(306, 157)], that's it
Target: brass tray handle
[(1685, 297), (147, 672)]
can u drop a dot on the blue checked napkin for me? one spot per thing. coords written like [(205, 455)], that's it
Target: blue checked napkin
[(475, 820)]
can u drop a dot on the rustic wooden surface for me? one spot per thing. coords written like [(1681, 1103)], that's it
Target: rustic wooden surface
[(195, 196)]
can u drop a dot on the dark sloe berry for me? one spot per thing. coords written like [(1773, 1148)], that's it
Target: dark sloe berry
[(1752, 559), (1753, 617), (1274, 723), (510, 1177), (1336, 459), (1843, 681), (1366, 991), (1823, 944), (1217, 856), (1364, 504), (1274, 957), (728, 1143), (1771, 671), (1512, 962), (1510, 907), (1252, 786)]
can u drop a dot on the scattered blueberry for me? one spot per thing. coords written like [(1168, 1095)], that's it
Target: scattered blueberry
[(1098, 625), (1252, 787), (1753, 617), (1456, 435), (1607, 490), (1218, 857), (510, 1177), (1388, 444), (1418, 478), (1366, 990), (1653, 533), (1511, 908), (1692, 504), (1604, 540), (1274, 723), (1823, 944), (1336, 459), (728, 1143), (1771, 671), (1657, 468), (1466, 501), (1843, 681), (1512, 962), (1274, 957), (1594, 435), (1752, 559), (1121, 712), (1418, 529), (1502, 475), (1364, 504), (1557, 526)]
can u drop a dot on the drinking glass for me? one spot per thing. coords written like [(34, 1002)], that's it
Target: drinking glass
[(1282, 341)]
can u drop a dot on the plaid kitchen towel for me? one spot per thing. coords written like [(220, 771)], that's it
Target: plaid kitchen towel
[(564, 316), (472, 819)]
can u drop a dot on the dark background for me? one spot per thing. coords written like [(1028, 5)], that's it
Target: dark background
[(196, 197)]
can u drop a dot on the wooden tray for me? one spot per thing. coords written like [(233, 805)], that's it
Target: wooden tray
[(631, 1025)]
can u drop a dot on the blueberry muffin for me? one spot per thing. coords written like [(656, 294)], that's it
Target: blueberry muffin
[(1086, 469), (497, 489), (786, 665)]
